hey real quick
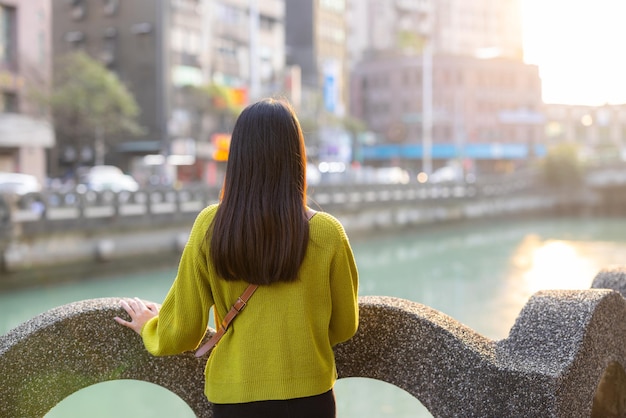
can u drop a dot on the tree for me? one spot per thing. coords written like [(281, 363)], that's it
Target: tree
[(562, 167), (90, 105)]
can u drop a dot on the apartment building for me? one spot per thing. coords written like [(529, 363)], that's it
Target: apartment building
[(161, 48), (137, 41), (454, 27), (25, 131), (486, 110), (445, 74), (246, 42), (316, 35)]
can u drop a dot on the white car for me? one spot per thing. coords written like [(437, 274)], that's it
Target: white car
[(19, 183), (115, 183), (313, 175), (107, 177)]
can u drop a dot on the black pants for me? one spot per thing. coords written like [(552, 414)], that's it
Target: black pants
[(319, 406)]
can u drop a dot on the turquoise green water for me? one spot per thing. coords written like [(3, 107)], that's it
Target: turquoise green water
[(481, 274)]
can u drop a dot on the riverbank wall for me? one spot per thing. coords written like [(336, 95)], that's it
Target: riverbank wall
[(76, 236)]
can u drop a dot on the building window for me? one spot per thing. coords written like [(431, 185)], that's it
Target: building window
[(107, 55), (186, 40), (76, 39), (141, 28), (9, 103), (227, 50), (190, 6), (338, 6), (78, 9), (229, 15), (110, 7), (266, 23), (7, 36)]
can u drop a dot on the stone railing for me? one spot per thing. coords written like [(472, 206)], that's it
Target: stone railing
[(48, 212), (564, 357)]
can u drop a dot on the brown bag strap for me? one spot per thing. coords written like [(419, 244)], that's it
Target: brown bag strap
[(234, 310)]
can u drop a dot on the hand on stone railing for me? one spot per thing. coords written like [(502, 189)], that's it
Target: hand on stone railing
[(139, 311)]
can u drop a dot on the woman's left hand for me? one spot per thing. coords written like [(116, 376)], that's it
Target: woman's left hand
[(140, 312)]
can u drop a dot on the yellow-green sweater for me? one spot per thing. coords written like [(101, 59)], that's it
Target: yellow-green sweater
[(280, 346)]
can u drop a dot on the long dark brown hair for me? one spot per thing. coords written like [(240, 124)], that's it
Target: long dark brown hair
[(260, 231)]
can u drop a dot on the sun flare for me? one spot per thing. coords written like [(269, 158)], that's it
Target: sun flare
[(577, 45), (558, 265)]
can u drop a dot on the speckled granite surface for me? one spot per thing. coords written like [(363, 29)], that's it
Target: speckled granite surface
[(612, 277), (76, 345), (564, 357)]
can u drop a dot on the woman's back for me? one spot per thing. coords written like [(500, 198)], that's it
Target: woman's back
[(282, 342), (278, 354)]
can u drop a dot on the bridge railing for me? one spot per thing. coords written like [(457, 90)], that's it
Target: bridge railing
[(86, 210), (54, 210), (564, 356)]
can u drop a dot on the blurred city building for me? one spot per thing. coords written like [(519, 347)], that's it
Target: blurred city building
[(445, 80), (246, 41), (132, 39), (454, 27), (190, 65), (599, 132), (485, 111), (25, 131), (433, 81), (316, 43)]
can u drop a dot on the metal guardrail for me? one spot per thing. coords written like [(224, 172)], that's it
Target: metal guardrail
[(51, 207), (67, 228), (77, 207), (90, 209)]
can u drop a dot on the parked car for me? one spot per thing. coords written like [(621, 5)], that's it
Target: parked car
[(19, 183), (108, 177), (392, 175), (313, 175), (451, 174)]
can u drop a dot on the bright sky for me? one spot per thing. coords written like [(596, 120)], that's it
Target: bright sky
[(580, 48)]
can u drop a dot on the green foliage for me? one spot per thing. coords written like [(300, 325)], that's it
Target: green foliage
[(86, 97), (353, 125), (562, 166)]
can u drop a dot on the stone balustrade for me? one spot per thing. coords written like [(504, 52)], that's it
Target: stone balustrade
[(564, 356)]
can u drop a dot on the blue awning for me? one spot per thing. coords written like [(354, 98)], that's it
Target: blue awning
[(495, 151)]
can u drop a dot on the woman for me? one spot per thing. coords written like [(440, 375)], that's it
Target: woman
[(276, 358)]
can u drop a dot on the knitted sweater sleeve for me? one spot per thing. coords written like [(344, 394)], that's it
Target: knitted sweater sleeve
[(344, 283), (184, 314)]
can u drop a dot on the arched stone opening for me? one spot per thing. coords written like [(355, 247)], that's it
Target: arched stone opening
[(389, 400), (609, 400), (116, 398)]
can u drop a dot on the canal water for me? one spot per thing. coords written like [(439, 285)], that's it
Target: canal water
[(479, 273)]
